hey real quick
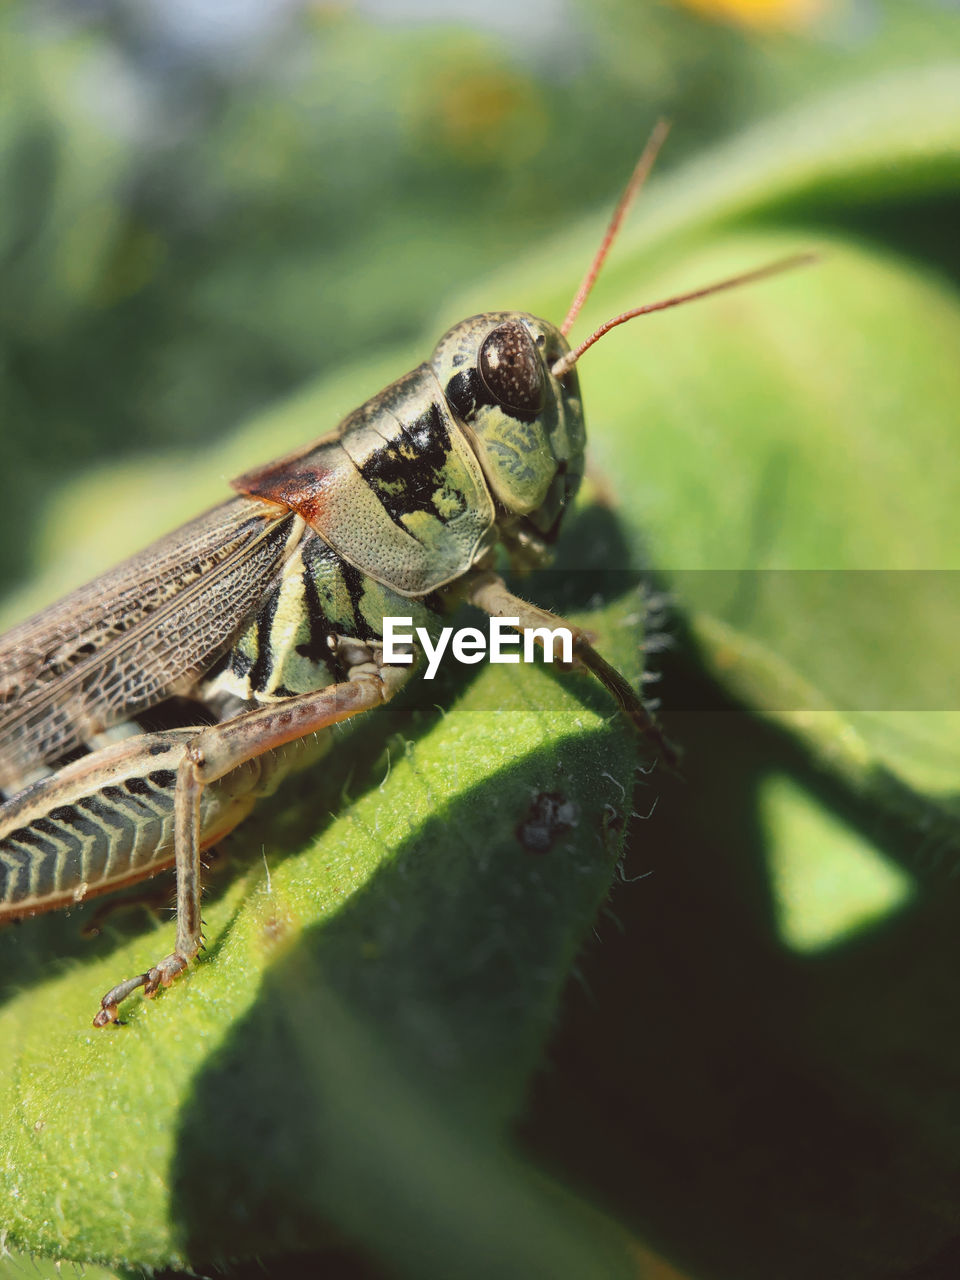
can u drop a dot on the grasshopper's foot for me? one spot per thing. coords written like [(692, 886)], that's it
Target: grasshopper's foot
[(161, 975), (631, 704)]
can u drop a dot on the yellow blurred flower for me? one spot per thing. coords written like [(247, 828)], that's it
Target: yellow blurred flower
[(769, 14)]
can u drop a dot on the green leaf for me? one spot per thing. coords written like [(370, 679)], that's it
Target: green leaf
[(389, 985), (17, 1267)]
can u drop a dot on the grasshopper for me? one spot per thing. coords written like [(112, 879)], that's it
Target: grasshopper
[(263, 617)]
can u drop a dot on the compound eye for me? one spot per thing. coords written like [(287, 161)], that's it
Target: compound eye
[(511, 368)]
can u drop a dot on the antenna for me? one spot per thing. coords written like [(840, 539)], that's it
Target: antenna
[(637, 179), (566, 363)]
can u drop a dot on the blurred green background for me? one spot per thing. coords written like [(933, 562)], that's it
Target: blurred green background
[(222, 225)]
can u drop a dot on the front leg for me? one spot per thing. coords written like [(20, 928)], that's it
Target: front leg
[(490, 593), (216, 751)]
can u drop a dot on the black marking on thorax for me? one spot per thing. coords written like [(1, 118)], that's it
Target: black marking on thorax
[(407, 472), (264, 662), (317, 649), (354, 582)]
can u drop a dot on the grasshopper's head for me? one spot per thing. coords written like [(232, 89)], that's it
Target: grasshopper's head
[(524, 423), (511, 380)]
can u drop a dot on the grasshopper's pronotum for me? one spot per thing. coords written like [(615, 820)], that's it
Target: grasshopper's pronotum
[(265, 616)]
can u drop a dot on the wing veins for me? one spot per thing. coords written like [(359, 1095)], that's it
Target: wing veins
[(35, 715)]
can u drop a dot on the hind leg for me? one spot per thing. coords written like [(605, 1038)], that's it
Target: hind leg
[(215, 752)]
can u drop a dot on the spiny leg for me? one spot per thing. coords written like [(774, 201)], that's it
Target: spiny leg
[(490, 593), (210, 756)]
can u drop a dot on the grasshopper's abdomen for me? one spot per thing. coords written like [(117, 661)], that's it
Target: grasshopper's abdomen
[(105, 821)]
